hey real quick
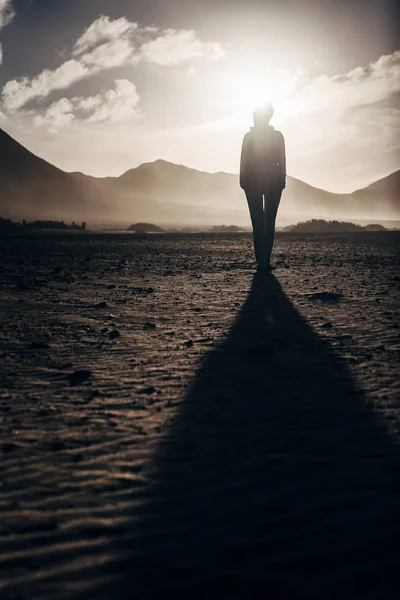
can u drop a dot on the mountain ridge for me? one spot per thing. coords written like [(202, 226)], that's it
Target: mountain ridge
[(167, 192)]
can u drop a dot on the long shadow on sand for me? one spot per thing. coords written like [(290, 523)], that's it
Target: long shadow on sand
[(275, 480)]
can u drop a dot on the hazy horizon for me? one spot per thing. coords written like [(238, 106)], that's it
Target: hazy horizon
[(113, 85)]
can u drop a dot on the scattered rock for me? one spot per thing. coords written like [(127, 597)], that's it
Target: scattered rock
[(57, 270), (56, 445), (114, 334), (331, 297), (9, 447), (142, 290), (78, 377), (147, 390), (101, 305)]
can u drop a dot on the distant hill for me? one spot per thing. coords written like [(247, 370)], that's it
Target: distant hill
[(31, 187), (383, 193), (170, 194), (322, 226), (145, 228)]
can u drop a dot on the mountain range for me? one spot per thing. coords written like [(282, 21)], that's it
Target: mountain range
[(167, 193)]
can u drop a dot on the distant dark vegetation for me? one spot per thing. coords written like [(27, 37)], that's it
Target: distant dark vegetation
[(321, 226), (8, 225), (226, 229), (151, 228), (145, 228)]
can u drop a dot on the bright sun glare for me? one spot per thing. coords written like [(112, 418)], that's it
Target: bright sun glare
[(253, 92)]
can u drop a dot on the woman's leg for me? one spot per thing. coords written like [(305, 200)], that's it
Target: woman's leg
[(256, 208), (271, 208)]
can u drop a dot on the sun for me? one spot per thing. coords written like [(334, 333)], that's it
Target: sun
[(255, 91)]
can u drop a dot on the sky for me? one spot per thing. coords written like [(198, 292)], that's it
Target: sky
[(102, 86)]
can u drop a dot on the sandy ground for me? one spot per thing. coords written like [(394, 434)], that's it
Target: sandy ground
[(172, 427)]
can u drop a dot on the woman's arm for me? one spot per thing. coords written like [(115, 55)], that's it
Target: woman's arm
[(244, 162), (282, 158)]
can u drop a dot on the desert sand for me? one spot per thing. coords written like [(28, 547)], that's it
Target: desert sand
[(174, 427)]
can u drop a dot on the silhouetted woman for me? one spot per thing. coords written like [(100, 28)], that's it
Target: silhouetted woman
[(263, 178)]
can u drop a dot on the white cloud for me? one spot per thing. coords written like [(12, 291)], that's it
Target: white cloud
[(18, 93), (7, 12), (107, 44), (102, 31), (58, 115), (115, 105), (360, 86), (174, 47), (114, 53)]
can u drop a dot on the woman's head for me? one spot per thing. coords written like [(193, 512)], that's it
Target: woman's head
[(263, 114)]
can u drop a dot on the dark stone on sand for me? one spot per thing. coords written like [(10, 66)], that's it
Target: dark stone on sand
[(327, 325), (142, 290), (114, 334), (188, 344), (78, 377), (57, 270), (380, 348), (147, 390), (332, 297), (149, 325), (56, 445), (9, 447), (101, 305), (111, 286)]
